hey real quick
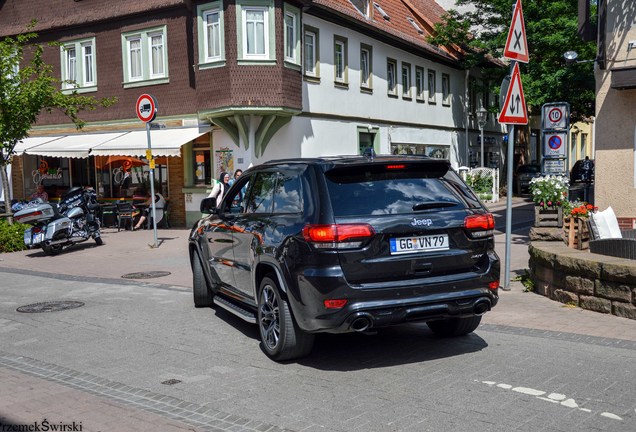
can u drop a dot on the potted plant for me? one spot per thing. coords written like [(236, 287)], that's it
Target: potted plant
[(575, 228), (549, 193)]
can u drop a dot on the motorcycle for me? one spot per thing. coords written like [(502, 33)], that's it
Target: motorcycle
[(54, 227)]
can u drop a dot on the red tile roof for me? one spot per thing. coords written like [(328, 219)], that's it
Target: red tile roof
[(15, 15), (424, 12)]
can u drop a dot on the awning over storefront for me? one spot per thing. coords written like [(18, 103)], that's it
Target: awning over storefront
[(73, 146), (164, 142), (31, 142)]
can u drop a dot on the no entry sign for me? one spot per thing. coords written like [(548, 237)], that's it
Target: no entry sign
[(146, 108)]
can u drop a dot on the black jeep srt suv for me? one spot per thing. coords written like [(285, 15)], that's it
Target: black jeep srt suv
[(340, 244)]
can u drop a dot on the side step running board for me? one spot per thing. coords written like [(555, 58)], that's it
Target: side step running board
[(235, 309)]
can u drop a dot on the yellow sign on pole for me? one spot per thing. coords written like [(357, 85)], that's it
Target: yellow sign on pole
[(148, 154), (152, 164)]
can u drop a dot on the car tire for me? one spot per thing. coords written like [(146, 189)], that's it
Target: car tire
[(450, 327), (281, 338), (203, 297)]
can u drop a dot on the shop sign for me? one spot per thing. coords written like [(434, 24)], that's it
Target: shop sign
[(46, 173)]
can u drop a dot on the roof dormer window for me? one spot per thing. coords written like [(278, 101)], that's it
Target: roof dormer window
[(381, 11), (362, 6), (415, 25)]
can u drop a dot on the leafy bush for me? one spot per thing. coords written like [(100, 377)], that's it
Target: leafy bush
[(480, 182), (11, 236)]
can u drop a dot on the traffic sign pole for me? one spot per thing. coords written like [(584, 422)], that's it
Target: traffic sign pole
[(146, 112), (510, 166), (152, 189)]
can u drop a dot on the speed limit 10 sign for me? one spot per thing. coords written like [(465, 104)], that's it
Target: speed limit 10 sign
[(555, 116), (146, 108)]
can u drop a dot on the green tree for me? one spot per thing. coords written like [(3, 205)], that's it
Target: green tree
[(26, 89), (551, 29)]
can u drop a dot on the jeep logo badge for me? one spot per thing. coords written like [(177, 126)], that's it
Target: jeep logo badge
[(422, 222)]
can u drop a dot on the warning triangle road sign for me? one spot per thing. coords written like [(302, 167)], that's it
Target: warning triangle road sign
[(514, 109), (517, 44)]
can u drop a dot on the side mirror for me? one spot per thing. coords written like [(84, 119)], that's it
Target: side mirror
[(208, 205)]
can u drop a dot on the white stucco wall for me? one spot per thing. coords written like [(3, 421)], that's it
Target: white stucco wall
[(615, 126), (333, 116)]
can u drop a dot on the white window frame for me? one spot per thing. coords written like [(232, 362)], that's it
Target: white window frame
[(265, 54), (292, 35), (368, 82), (340, 60), (432, 86), (212, 35), (420, 84), (314, 71), (148, 75), (160, 65), (83, 70), (406, 80), (446, 91), (206, 58), (391, 72)]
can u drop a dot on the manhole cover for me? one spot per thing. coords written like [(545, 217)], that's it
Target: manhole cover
[(146, 275), (51, 306)]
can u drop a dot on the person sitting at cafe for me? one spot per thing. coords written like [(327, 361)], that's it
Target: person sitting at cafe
[(40, 193), (146, 210)]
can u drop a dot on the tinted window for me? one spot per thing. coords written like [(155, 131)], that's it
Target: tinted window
[(287, 195), (261, 194), (237, 198), (377, 189)]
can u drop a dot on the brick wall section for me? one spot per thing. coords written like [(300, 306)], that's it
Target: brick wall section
[(17, 178), (626, 223), (237, 85), (595, 282), (176, 98), (175, 186)]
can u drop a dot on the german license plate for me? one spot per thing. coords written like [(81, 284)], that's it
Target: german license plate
[(37, 238), (419, 244)]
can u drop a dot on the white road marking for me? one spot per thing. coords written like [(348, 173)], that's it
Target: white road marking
[(559, 398)]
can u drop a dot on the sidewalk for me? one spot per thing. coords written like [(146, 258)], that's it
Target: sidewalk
[(127, 252)]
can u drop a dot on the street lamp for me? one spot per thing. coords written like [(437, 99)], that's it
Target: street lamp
[(482, 119), (571, 57)]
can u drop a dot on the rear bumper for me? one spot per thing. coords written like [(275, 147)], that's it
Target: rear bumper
[(400, 302)]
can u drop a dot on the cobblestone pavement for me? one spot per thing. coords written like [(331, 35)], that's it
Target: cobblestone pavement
[(35, 389)]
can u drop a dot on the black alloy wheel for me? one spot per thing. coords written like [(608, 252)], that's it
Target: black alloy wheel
[(281, 338), (202, 295)]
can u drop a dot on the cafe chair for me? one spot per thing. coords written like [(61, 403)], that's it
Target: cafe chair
[(108, 215), (124, 215)]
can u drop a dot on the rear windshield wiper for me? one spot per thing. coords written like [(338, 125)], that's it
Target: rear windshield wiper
[(434, 204)]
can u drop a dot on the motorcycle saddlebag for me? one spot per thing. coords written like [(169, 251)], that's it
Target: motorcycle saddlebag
[(36, 213)]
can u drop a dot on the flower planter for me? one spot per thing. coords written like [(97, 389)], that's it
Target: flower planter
[(576, 233), (548, 217)]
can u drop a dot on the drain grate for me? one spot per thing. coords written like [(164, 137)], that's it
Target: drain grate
[(171, 381), (146, 275), (50, 306)]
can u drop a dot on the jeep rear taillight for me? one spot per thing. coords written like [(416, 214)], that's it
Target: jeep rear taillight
[(338, 236), (480, 225)]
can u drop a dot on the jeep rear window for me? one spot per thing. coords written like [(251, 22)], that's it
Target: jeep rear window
[(395, 189)]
